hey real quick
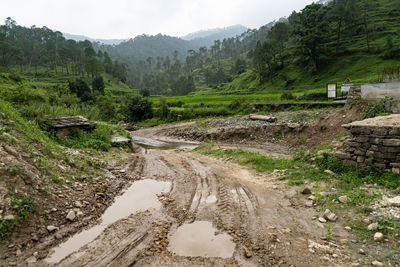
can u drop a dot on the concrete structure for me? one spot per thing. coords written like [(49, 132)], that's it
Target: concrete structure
[(380, 90), (374, 141)]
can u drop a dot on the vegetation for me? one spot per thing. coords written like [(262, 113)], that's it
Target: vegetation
[(348, 181)]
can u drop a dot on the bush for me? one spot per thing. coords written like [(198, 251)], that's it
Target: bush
[(374, 109), (81, 89), (139, 108), (163, 109), (98, 85), (287, 96)]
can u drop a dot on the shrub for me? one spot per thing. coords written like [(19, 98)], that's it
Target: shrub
[(139, 108), (374, 109), (287, 96), (98, 85), (81, 89)]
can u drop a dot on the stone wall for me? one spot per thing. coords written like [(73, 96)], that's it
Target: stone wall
[(354, 93), (375, 141)]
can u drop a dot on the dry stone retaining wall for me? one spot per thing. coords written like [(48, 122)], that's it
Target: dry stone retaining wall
[(374, 141)]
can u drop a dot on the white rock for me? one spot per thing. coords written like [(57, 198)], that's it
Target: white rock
[(377, 263), (378, 237), (71, 215), (372, 226), (394, 201), (330, 216), (322, 220), (347, 228), (329, 172), (78, 204), (8, 217), (51, 228), (31, 259), (344, 199)]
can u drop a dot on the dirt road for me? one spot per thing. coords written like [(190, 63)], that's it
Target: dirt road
[(195, 210)]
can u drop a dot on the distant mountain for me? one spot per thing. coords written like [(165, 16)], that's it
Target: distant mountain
[(102, 41), (207, 37)]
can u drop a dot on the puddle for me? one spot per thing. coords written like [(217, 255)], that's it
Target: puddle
[(150, 143), (198, 239), (141, 195)]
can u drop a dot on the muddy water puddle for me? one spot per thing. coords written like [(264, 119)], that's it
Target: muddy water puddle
[(140, 196), (199, 239), (150, 143)]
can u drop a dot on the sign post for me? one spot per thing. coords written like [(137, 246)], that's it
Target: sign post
[(331, 90)]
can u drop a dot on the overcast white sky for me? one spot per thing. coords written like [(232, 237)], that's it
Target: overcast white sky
[(128, 18)]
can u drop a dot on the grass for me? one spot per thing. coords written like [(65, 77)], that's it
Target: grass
[(348, 181)]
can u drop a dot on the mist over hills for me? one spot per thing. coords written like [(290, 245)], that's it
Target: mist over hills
[(78, 38)]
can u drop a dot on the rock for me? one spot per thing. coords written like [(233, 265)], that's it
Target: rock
[(344, 241), (311, 198), (247, 253), (71, 215), (330, 216), (394, 202), (42, 240), (344, 199), (372, 227), (51, 228), (9, 217), (377, 263), (366, 220), (31, 259), (321, 220), (306, 191), (309, 203), (378, 237), (18, 252), (78, 204), (329, 172), (361, 251), (347, 228)]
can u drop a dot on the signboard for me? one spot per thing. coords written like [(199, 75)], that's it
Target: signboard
[(346, 87), (331, 90)]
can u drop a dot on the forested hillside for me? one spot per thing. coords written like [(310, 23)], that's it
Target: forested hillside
[(322, 43)]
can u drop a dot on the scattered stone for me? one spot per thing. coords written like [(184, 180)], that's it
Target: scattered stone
[(344, 199), (394, 202), (247, 253), (372, 226), (378, 237), (309, 203), (367, 221), (53, 210), (42, 240), (71, 215), (306, 191), (51, 228), (18, 252), (329, 172), (355, 264), (361, 251), (78, 204), (344, 241), (8, 217), (330, 216), (377, 263), (347, 228), (31, 259), (321, 220)]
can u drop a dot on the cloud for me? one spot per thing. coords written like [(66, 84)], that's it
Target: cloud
[(128, 18)]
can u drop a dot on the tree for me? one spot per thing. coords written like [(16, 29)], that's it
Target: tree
[(163, 109), (312, 32), (98, 85), (139, 108), (81, 89)]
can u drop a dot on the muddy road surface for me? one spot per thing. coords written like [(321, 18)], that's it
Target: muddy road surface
[(187, 209)]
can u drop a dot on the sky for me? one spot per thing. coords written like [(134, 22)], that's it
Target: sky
[(123, 19)]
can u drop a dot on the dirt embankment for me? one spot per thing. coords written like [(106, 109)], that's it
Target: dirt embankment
[(35, 199), (292, 129)]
